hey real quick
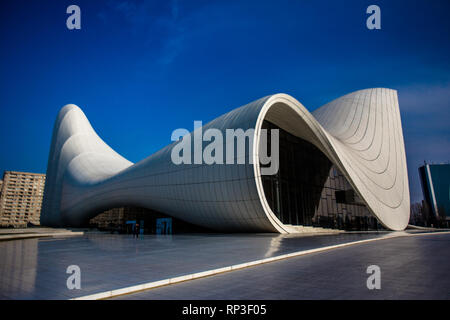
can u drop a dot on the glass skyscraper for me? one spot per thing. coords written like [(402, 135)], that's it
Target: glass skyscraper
[(435, 181)]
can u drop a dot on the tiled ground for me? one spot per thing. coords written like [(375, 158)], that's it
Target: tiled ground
[(411, 268), (36, 268)]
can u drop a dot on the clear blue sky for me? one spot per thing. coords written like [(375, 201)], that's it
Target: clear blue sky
[(140, 69)]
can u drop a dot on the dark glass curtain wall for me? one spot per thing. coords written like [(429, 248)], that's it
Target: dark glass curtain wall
[(308, 190)]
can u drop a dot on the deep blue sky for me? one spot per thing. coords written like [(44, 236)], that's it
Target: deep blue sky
[(140, 69)]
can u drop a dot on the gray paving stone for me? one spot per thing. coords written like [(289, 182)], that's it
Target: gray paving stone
[(411, 268), (36, 268)]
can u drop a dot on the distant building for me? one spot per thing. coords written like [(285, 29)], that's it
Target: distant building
[(435, 181), (21, 198)]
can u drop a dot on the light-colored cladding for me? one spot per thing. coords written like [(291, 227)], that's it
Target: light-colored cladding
[(360, 133)]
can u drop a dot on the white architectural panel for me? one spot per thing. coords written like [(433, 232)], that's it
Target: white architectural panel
[(360, 133)]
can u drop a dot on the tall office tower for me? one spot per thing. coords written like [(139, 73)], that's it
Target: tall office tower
[(435, 180)]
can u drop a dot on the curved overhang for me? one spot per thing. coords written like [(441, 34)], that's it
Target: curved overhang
[(386, 194)]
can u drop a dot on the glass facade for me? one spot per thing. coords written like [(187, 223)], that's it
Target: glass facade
[(151, 222), (309, 190), (435, 181)]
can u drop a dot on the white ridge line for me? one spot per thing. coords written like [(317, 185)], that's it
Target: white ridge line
[(192, 276)]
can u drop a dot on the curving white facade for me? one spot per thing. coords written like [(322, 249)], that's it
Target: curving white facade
[(360, 133)]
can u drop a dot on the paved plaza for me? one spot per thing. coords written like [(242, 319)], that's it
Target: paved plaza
[(411, 268), (36, 268)]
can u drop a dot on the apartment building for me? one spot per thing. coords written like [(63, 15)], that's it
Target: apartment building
[(21, 196)]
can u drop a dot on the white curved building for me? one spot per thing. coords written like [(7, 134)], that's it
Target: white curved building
[(342, 165)]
